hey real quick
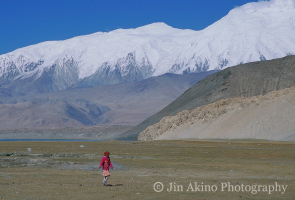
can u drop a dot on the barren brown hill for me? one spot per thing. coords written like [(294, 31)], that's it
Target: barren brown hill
[(269, 117), (251, 79)]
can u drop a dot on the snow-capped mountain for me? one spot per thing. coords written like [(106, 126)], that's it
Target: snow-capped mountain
[(256, 31)]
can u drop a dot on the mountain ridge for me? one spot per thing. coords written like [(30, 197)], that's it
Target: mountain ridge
[(253, 32), (101, 106)]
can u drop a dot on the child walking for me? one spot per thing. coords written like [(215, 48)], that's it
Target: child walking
[(105, 164)]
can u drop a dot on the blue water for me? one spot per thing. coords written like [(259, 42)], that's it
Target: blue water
[(47, 140)]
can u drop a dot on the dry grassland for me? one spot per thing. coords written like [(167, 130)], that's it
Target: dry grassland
[(66, 170)]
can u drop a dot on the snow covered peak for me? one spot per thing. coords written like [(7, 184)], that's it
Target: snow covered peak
[(255, 31), (268, 6), (282, 4), (156, 28)]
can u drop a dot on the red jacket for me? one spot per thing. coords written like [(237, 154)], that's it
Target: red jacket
[(106, 163)]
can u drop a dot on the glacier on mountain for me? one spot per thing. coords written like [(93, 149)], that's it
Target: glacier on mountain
[(256, 31)]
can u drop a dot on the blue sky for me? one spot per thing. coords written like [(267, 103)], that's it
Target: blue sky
[(27, 22)]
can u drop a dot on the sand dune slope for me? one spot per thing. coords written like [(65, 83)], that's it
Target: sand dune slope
[(269, 117)]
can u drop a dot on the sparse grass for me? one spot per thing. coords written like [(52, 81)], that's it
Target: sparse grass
[(169, 162)]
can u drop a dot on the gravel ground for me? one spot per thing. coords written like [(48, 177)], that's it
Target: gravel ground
[(66, 170)]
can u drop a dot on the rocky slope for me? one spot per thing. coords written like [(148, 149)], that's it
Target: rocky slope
[(251, 79), (268, 117)]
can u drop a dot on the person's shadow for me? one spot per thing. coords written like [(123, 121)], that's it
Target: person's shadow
[(114, 184)]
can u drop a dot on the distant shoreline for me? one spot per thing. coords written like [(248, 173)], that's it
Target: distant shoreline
[(49, 140)]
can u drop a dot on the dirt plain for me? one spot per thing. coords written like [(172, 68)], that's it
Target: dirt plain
[(68, 170)]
